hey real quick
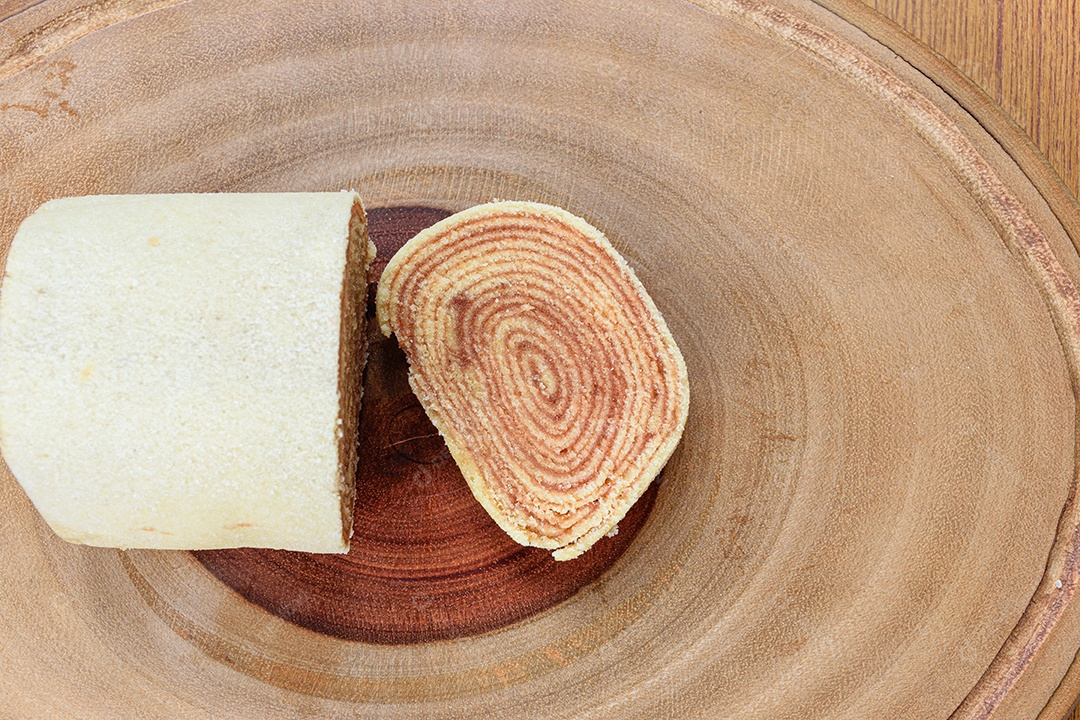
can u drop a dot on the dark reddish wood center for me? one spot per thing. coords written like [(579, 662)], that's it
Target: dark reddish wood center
[(427, 563)]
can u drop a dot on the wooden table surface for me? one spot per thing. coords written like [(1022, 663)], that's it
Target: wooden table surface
[(1025, 54)]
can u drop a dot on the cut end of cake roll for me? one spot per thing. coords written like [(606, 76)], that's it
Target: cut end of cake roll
[(184, 371), (352, 357), (544, 364)]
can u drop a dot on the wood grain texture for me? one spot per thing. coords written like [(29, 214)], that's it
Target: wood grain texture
[(871, 513), (1025, 54), (35, 30)]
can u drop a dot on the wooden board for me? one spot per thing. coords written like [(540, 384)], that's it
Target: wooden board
[(871, 512), (1025, 55)]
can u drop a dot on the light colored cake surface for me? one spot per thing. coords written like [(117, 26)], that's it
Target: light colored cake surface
[(169, 368), (542, 361)]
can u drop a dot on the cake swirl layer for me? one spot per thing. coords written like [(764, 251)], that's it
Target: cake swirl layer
[(544, 364)]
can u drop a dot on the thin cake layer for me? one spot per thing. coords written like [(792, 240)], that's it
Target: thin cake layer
[(544, 364)]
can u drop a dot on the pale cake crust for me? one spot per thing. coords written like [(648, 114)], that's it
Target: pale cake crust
[(172, 372)]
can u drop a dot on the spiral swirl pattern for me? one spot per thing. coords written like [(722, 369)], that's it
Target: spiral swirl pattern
[(544, 364)]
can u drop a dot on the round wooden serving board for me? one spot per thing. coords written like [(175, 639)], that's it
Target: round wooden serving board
[(872, 510)]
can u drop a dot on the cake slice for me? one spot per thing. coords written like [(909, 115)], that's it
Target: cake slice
[(544, 364), (184, 371)]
